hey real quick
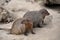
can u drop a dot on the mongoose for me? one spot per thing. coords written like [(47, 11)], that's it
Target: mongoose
[(21, 26), (37, 17)]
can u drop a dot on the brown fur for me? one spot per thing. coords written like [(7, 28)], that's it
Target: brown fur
[(17, 29)]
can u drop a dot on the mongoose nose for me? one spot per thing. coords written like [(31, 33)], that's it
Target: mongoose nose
[(48, 14)]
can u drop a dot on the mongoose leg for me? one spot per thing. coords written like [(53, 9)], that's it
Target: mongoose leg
[(25, 33)]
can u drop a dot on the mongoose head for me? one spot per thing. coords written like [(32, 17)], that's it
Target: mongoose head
[(44, 12)]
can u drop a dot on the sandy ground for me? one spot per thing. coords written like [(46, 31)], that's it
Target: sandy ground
[(48, 32)]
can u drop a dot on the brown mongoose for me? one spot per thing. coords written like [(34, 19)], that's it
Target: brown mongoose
[(18, 26)]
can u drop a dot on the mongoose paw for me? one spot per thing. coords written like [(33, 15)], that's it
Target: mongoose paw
[(33, 33), (40, 26), (25, 34)]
